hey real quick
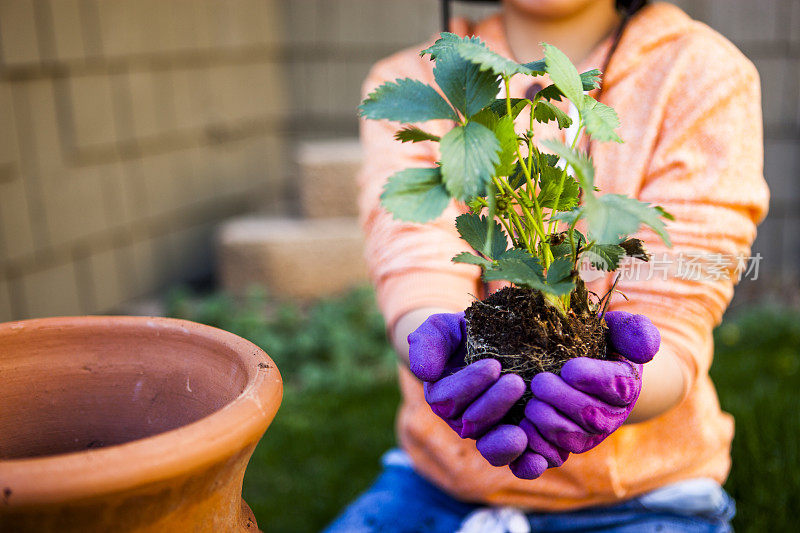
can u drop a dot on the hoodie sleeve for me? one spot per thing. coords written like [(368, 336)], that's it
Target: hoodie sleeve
[(409, 264), (706, 170)]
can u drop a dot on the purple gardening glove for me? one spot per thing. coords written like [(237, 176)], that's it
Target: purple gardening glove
[(591, 398), (471, 399)]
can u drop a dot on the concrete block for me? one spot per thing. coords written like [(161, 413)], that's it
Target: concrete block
[(41, 150), (265, 87), (92, 110), (779, 90), (192, 252), (782, 169), (9, 147), (220, 23), (362, 21), (16, 230), (769, 243), (348, 90), (167, 183), (253, 163), (148, 270), (191, 93), (291, 258), (304, 20), (205, 173), (18, 39), (256, 22), (175, 25), (228, 90), (67, 29), (75, 207), (52, 292), (6, 310), (107, 289), (119, 27), (328, 177), (745, 21), (145, 105), (122, 202), (317, 77), (697, 9), (791, 253), (235, 92)]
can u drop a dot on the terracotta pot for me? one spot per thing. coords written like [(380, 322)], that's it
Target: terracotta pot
[(129, 424)]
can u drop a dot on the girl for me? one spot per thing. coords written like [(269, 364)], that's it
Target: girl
[(689, 105)]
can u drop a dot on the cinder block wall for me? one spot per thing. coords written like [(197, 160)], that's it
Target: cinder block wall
[(130, 128)]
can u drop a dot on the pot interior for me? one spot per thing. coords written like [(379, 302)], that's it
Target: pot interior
[(98, 382)]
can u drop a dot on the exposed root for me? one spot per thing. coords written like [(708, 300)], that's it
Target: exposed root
[(527, 335)]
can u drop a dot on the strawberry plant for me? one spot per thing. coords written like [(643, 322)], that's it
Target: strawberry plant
[(525, 197)]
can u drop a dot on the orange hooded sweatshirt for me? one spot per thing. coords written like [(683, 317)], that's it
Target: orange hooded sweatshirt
[(689, 105)]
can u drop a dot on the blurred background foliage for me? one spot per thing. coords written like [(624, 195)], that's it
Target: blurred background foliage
[(340, 399)]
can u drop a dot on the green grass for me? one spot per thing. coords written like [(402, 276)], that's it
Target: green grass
[(337, 415), (322, 450), (757, 373)]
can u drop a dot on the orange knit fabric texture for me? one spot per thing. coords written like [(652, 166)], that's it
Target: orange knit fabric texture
[(689, 104)]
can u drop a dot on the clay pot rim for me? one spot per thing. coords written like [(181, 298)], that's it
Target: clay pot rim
[(180, 451)]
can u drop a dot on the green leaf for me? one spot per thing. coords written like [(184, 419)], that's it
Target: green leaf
[(414, 134), (551, 92), (611, 218), (563, 248), (600, 120), (519, 254), (469, 156), (445, 42), (504, 131), (559, 277), (487, 117), (546, 160), (605, 256), (568, 216), (591, 79), (528, 273), (544, 112), (564, 74), (538, 67), (467, 87), (406, 100), (491, 115), (474, 229), (549, 182), (486, 59), (517, 178), (491, 209), (472, 259), (415, 194), (664, 212), (580, 163), (500, 107)]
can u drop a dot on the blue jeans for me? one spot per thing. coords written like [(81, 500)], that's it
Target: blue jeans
[(401, 501)]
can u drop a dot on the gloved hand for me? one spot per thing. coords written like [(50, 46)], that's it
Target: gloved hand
[(591, 398), (471, 399)]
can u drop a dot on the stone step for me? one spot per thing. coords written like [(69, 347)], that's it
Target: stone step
[(300, 259), (327, 180)]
